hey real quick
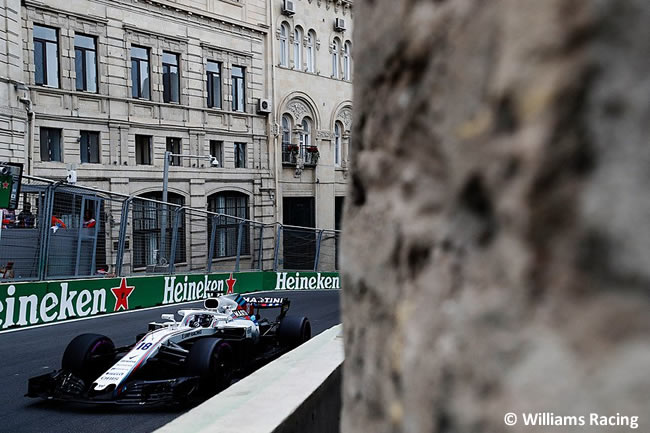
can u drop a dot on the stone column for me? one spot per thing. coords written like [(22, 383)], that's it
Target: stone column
[(496, 239)]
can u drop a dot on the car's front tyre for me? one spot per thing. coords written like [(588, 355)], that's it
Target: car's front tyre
[(88, 355), (212, 360)]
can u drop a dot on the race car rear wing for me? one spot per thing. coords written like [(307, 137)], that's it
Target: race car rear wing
[(261, 302), (266, 302), (253, 302)]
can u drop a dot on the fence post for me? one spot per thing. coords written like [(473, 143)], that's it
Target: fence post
[(45, 223), (276, 253), (317, 257), (240, 232), (172, 254), (213, 235), (121, 242), (79, 231)]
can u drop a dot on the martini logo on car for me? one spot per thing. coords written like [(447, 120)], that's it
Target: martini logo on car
[(50, 307), (240, 313), (264, 301), (285, 281)]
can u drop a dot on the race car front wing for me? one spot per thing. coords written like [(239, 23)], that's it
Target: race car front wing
[(65, 386)]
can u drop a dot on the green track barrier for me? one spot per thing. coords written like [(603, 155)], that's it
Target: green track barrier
[(28, 304)]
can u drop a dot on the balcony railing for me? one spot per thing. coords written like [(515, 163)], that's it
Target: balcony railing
[(292, 152)]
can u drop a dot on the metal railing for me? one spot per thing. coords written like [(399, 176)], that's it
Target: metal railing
[(295, 153), (64, 231)]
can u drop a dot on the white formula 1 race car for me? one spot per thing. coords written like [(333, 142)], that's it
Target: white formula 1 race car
[(176, 361)]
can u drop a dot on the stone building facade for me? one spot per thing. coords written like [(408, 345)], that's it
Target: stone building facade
[(312, 94), (107, 87), (134, 130), (13, 114)]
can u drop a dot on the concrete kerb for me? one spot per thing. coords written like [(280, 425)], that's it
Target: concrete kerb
[(263, 401)]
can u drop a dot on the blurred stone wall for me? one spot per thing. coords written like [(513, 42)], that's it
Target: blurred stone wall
[(496, 246)]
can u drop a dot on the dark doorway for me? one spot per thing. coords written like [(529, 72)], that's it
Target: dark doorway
[(299, 245), (338, 216)]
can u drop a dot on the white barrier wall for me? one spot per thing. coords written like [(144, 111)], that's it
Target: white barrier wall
[(275, 395)]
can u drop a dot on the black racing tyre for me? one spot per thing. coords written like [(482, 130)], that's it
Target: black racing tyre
[(293, 331), (212, 360), (88, 355), (139, 337)]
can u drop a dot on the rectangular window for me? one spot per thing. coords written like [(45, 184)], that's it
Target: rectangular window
[(147, 225), (238, 89), (230, 204), (310, 56), (89, 150), (174, 146), (143, 149), (140, 86), (46, 56), (240, 155), (216, 150), (85, 59), (214, 84), (51, 144), (171, 82)]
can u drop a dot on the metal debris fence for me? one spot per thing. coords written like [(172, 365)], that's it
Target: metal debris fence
[(63, 231)]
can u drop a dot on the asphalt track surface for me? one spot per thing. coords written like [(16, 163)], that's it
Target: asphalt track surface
[(35, 351)]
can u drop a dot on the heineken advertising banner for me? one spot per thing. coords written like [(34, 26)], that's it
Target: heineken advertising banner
[(25, 304)]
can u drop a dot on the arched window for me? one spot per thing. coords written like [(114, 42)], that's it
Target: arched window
[(286, 130), (288, 153), (284, 44), (229, 204), (336, 48), (297, 48), (338, 131), (147, 224), (347, 61), (311, 51), (305, 134)]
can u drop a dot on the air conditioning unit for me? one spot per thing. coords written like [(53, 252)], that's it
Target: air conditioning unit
[(264, 106), (288, 7), (339, 24)]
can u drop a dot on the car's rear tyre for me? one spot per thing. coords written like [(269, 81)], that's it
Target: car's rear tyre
[(88, 355), (212, 360), (293, 331)]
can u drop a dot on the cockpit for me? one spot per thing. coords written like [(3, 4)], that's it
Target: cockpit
[(200, 320)]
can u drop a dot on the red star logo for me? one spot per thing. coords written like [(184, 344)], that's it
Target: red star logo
[(5, 185), (231, 283), (122, 294)]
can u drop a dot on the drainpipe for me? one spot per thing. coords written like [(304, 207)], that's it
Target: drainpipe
[(277, 165), (31, 118)]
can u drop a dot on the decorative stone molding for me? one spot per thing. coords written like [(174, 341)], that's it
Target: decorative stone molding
[(298, 109), (345, 116), (324, 135)]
